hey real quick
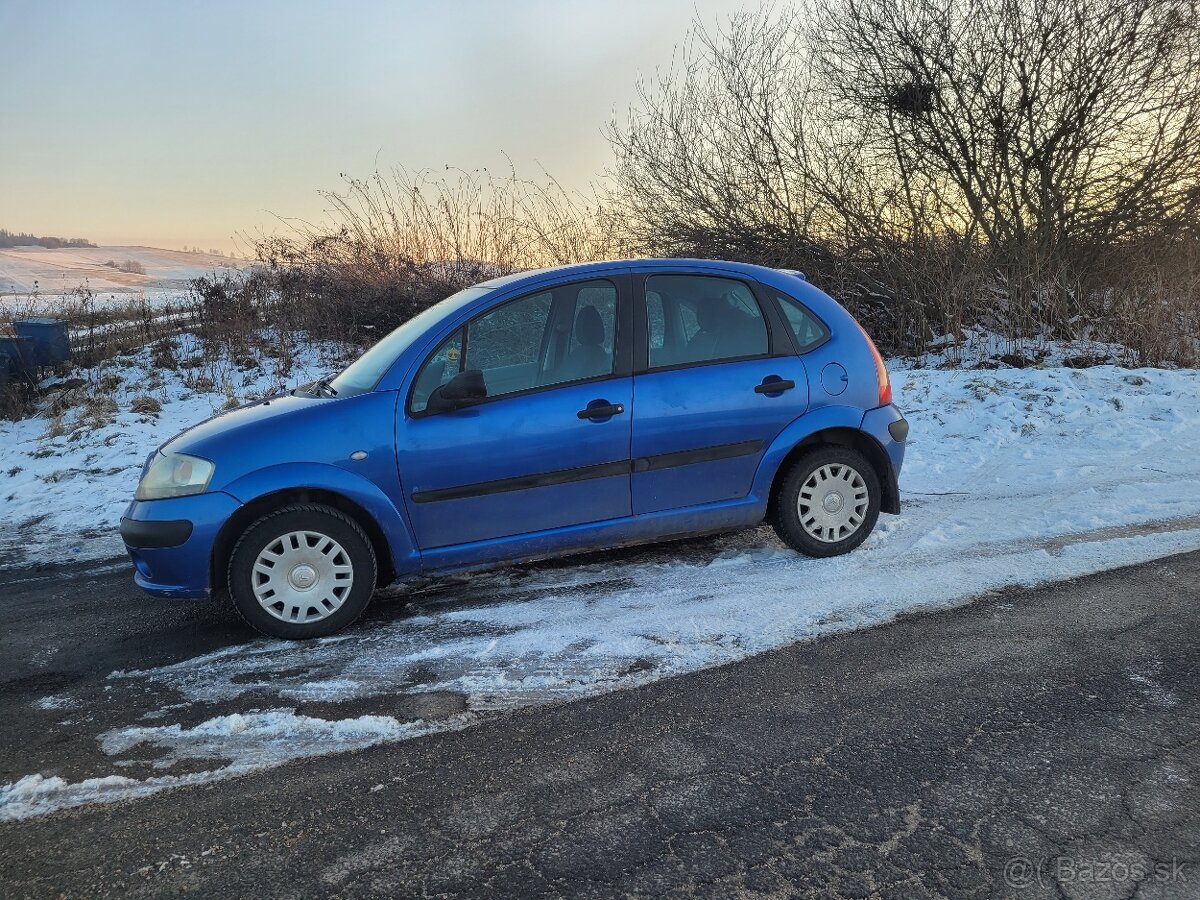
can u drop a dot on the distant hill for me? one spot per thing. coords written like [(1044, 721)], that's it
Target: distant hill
[(105, 269), (23, 239)]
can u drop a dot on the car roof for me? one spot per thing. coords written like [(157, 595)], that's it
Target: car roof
[(789, 281), (635, 265)]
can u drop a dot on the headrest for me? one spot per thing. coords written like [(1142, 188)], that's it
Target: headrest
[(589, 327)]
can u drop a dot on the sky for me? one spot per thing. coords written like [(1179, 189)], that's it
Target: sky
[(189, 123)]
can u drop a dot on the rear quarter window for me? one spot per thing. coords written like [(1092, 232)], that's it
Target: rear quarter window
[(807, 330)]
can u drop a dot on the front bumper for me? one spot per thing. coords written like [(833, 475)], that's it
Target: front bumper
[(171, 541)]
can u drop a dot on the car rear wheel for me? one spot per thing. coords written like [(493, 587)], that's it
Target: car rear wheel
[(828, 502), (302, 572)]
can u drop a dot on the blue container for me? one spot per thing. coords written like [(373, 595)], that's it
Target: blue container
[(20, 353), (51, 340)]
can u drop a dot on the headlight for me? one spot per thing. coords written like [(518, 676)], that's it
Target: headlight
[(174, 475)]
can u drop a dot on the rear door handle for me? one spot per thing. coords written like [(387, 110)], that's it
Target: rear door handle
[(773, 385), (601, 412)]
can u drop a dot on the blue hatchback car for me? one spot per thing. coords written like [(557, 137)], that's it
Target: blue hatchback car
[(575, 408)]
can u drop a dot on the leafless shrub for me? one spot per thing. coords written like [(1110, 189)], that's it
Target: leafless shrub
[(98, 410), (104, 329)]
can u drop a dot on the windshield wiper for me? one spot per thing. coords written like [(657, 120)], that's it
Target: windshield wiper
[(319, 388)]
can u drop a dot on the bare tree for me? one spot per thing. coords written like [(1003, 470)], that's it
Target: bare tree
[(1037, 122), (936, 162), (714, 156)]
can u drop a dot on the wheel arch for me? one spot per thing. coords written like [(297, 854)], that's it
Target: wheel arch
[(844, 436), (255, 509)]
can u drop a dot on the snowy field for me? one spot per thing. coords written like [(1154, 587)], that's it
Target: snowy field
[(38, 281), (59, 271), (1013, 477)]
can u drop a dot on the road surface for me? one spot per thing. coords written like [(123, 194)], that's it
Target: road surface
[(1036, 742)]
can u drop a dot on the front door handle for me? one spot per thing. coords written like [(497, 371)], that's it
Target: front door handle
[(773, 384), (604, 411)]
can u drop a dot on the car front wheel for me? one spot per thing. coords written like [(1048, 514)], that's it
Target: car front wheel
[(828, 502), (303, 571)]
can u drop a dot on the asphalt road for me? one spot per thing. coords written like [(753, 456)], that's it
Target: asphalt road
[(1037, 743)]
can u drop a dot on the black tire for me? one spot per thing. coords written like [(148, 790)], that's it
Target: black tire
[(271, 529), (785, 506)]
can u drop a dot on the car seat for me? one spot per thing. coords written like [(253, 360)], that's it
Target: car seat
[(588, 358)]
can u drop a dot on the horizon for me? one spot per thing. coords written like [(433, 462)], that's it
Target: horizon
[(240, 125)]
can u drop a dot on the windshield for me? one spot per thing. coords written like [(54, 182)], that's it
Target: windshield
[(364, 373)]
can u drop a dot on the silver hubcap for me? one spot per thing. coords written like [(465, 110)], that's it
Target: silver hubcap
[(833, 503), (302, 576)]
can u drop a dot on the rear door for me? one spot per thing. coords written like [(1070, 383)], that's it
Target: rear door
[(549, 447), (716, 381)]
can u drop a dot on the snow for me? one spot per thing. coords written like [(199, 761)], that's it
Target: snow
[(56, 701), (1038, 430), (1013, 477), (254, 739)]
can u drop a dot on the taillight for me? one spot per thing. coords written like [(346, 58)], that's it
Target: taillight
[(881, 372)]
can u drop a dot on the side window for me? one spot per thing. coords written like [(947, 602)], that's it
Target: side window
[(444, 364), (718, 318), (557, 336), (808, 330), (506, 343)]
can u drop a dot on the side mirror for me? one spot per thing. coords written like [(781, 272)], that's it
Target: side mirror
[(464, 389)]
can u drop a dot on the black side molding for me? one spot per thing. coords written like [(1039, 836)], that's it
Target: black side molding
[(155, 535), (899, 430), (688, 457), (584, 473), (523, 482)]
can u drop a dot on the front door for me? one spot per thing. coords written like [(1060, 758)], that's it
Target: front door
[(712, 393), (548, 447)]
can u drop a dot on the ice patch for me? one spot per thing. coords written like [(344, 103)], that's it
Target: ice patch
[(255, 740), (249, 742), (56, 701)]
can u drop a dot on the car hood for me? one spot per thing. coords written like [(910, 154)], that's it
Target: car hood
[(290, 429), (247, 417)]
